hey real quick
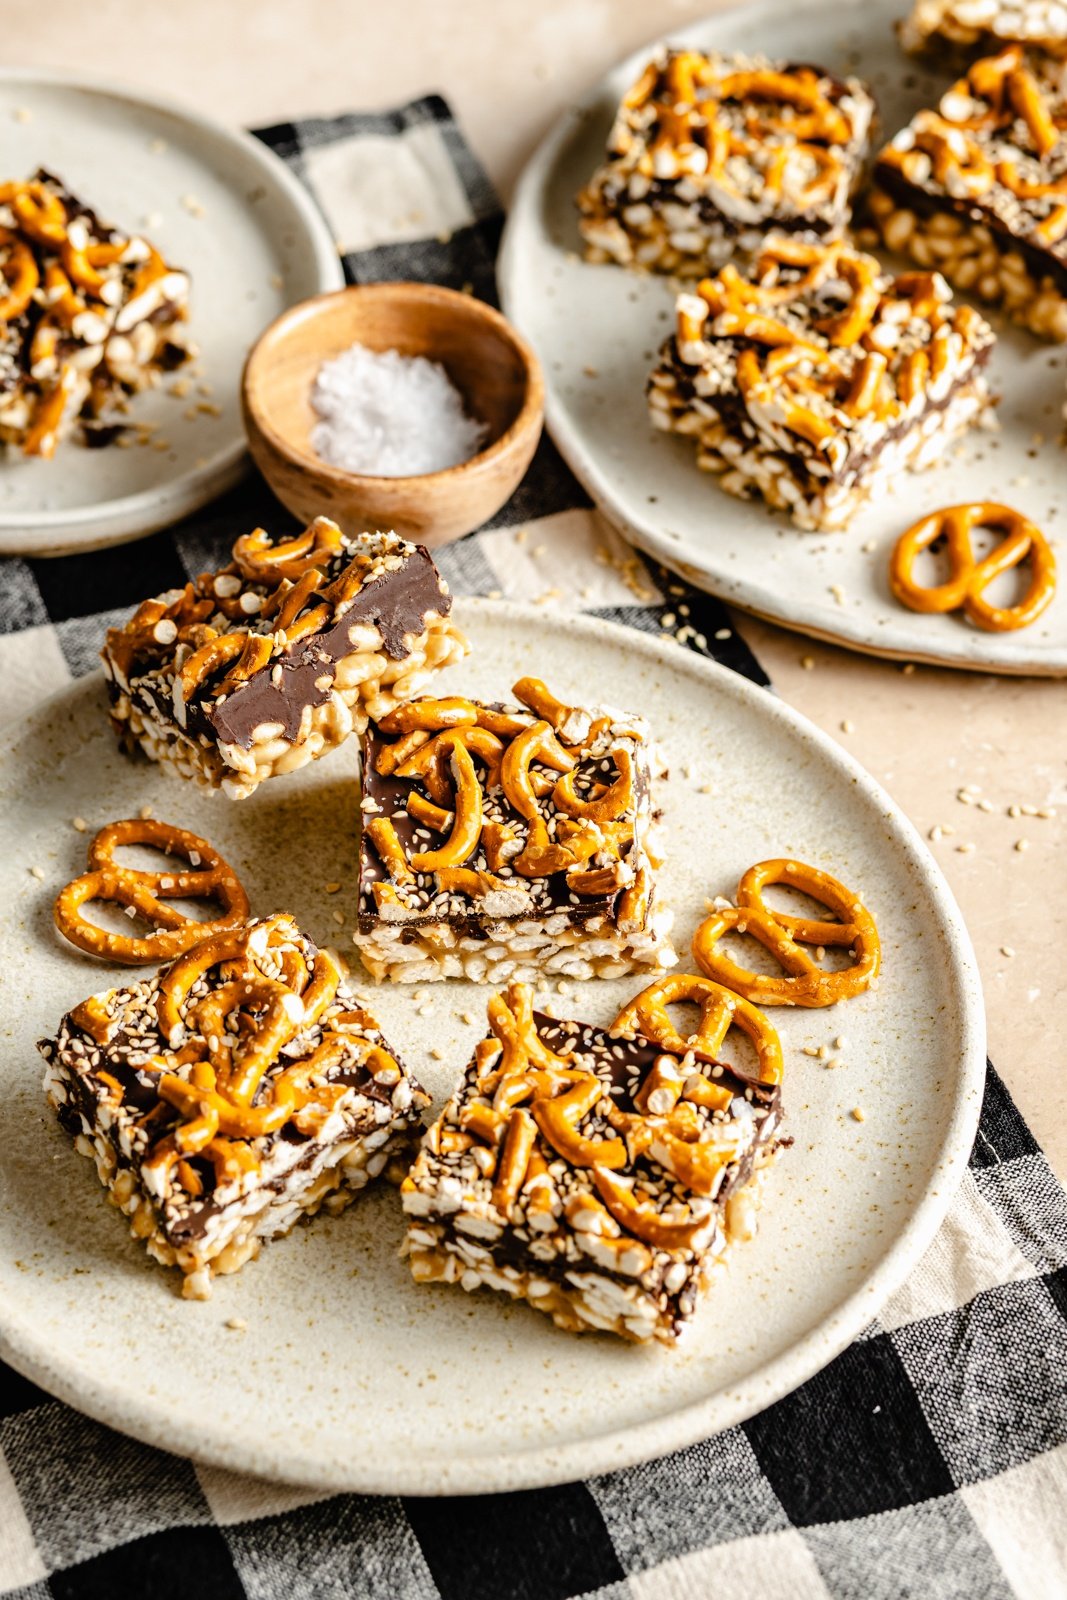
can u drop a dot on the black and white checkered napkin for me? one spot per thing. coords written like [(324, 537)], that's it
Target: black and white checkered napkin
[(929, 1460)]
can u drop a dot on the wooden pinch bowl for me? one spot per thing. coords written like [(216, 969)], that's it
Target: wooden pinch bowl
[(490, 364)]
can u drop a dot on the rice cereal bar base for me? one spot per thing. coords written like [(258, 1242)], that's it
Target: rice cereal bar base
[(88, 315), (978, 188), (816, 379), (970, 25), (591, 1173), (237, 1091), (708, 152), (276, 659), (505, 842)]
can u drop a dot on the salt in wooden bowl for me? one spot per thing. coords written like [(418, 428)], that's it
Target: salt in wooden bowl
[(488, 362)]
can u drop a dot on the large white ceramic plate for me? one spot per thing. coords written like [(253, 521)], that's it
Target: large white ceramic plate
[(218, 203), (597, 330), (352, 1376)]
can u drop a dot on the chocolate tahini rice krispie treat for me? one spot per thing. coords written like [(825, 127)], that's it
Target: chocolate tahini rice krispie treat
[(273, 661), (506, 841), (88, 315), (598, 1174), (816, 378), (978, 188), (708, 152), (237, 1091)]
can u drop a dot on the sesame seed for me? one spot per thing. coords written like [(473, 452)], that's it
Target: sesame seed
[(810, 1050), (965, 848), (435, 1054), (1007, 950), (145, 813), (847, 726), (238, 1324), (808, 663), (331, 888), (724, 633), (36, 872), (857, 1114), (838, 593), (1022, 844), (80, 825), (908, 668), (1014, 811)]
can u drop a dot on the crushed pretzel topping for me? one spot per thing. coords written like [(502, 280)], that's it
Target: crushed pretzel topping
[(87, 315), (708, 148)]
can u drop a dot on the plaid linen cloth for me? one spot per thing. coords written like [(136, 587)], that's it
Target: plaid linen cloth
[(928, 1460)]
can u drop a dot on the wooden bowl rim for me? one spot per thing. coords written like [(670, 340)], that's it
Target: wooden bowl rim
[(530, 416)]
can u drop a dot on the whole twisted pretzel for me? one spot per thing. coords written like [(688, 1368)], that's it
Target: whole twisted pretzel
[(964, 589), (146, 893), (720, 1010), (783, 935)]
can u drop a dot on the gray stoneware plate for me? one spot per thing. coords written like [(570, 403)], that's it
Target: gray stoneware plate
[(597, 330), (218, 203), (349, 1375)]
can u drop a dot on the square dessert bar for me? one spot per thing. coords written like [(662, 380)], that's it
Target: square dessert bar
[(978, 188), (814, 379), (506, 841), (235, 1092), (274, 660), (592, 1173), (971, 25), (709, 151), (88, 314)]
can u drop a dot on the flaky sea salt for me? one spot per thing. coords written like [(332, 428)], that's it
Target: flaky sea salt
[(391, 416)]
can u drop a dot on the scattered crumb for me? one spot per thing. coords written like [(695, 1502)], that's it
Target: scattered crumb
[(22, 114), (192, 205), (837, 590), (145, 813), (156, 147)]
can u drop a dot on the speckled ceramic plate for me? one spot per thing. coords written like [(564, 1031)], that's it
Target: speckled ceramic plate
[(597, 331), (351, 1376), (217, 203)]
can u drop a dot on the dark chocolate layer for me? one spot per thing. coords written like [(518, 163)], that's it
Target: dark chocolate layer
[(397, 602), (1042, 261)]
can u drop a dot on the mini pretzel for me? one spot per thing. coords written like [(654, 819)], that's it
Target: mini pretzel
[(208, 877), (19, 271), (260, 561), (783, 934), (964, 589), (720, 1010)]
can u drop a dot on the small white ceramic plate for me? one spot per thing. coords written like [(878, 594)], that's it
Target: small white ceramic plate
[(350, 1376), (217, 203), (597, 331)]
